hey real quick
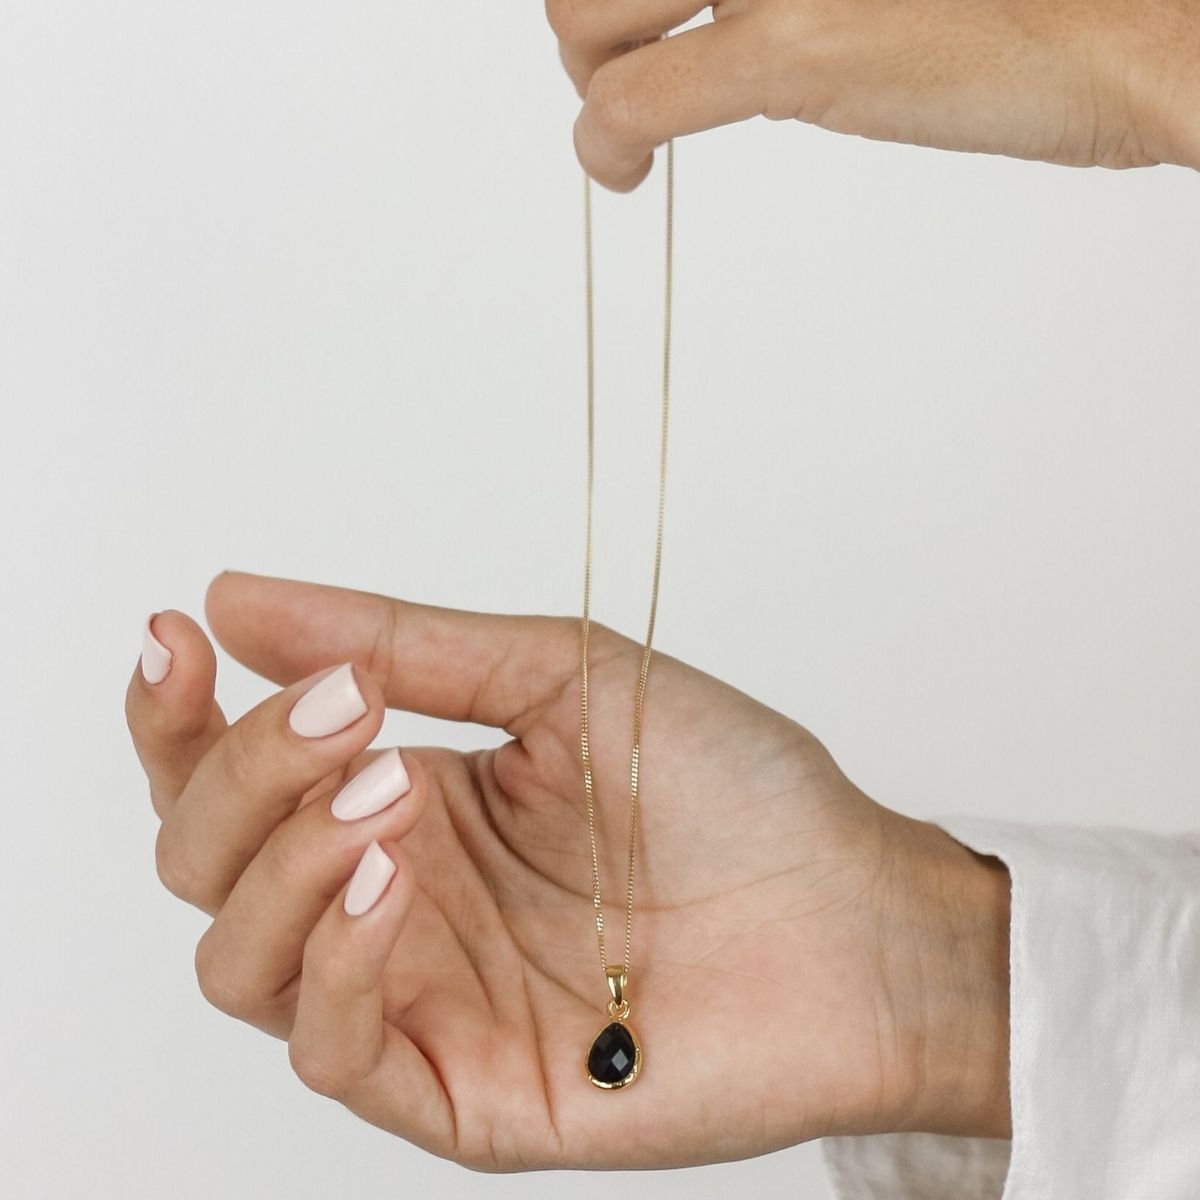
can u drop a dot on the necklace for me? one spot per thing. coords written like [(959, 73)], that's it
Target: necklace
[(615, 1057)]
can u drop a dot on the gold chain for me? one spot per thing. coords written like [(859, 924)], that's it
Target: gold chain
[(587, 573)]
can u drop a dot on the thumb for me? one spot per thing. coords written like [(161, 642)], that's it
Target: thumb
[(489, 668)]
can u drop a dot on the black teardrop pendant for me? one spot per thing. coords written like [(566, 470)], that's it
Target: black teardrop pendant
[(615, 1057)]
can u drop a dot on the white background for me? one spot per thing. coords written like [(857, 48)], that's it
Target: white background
[(297, 288)]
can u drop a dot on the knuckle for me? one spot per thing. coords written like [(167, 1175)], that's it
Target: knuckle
[(314, 1069), (381, 657), (326, 964), (185, 727), (479, 1162), (218, 984), (566, 19), (334, 966), (174, 873), (612, 106)]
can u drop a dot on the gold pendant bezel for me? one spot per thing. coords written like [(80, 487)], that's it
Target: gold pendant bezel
[(637, 1057)]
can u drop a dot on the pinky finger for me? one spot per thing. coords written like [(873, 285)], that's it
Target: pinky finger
[(340, 1045)]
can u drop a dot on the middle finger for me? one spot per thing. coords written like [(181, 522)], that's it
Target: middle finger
[(590, 33), (255, 947), (255, 775)]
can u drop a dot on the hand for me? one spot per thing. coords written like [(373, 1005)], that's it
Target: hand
[(804, 961), (1112, 83)]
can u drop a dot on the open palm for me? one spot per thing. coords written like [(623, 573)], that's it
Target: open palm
[(770, 969)]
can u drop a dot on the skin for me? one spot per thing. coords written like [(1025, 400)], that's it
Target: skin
[(1112, 83), (805, 961)]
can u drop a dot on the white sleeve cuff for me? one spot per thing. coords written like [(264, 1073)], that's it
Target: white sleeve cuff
[(1105, 1031)]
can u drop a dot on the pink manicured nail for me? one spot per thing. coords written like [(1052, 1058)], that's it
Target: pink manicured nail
[(380, 783), (156, 658), (330, 704), (373, 873)]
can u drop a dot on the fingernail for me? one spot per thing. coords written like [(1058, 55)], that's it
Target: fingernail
[(380, 783), (373, 873), (330, 704), (156, 658)]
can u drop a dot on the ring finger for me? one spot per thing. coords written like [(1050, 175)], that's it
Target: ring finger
[(249, 960)]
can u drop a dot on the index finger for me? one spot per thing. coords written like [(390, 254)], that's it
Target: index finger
[(704, 77), (489, 668)]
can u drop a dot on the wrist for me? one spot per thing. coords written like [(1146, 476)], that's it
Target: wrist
[(951, 986)]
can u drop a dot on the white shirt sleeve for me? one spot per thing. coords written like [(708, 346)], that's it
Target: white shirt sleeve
[(1105, 1031)]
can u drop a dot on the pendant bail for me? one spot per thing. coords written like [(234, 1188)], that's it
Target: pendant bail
[(617, 979), (618, 1006)]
